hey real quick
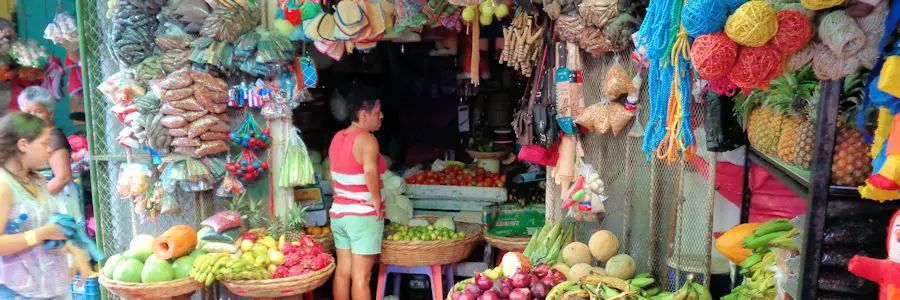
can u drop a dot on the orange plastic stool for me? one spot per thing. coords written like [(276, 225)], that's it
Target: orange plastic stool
[(433, 272)]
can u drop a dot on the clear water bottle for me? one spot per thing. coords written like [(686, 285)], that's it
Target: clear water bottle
[(15, 225)]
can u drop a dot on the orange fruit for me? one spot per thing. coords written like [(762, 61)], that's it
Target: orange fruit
[(326, 230)]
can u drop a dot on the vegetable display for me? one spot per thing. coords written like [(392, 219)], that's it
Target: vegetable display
[(459, 176), (760, 282), (417, 231)]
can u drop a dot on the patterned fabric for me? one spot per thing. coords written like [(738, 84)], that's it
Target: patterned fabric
[(310, 76), (25, 273)]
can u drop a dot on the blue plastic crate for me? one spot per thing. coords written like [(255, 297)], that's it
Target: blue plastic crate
[(90, 290)]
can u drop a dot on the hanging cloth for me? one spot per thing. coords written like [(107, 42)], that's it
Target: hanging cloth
[(53, 79)]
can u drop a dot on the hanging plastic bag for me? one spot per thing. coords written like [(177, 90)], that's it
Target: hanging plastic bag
[(298, 168), (230, 186), (619, 117), (134, 179), (617, 81)]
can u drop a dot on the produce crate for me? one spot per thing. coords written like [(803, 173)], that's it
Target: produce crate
[(465, 193)]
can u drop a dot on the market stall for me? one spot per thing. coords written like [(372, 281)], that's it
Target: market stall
[(580, 139)]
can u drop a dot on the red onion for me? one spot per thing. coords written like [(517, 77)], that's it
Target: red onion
[(558, 277), (548, 281), (520, 294), (489, 295), (468, 296), (483, 282), (503, 282), (539, 290), (520, 280), (472, 288), (541, 270)]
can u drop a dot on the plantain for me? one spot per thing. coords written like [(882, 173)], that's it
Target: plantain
[(609, 281), (702, 291), (755, 242), (642, 282), (774, 225)]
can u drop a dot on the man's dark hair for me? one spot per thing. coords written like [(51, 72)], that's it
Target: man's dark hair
[(362, 98)]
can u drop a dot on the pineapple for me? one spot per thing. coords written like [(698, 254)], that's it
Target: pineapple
[(806, 135), (292, 227), (789, 96), (851, 163), (252, 212)]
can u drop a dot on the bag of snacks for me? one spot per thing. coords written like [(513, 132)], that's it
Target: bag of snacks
[(224, 221), (134, 179)]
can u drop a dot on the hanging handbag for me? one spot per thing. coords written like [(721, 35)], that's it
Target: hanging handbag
[(525, 115), (546, 128)]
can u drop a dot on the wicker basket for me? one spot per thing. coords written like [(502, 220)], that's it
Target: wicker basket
[(486, 155), (281, 287), (160, 290), (326, 240), (426, 253), (512, 243)]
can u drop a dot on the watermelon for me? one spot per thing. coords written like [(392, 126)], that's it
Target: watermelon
[(128, 270)]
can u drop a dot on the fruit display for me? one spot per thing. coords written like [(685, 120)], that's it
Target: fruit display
[(443, 229), (459, 176), (139, 264), (531, 283), (782, 124), (760, 282), (641, 287), (261, 256)]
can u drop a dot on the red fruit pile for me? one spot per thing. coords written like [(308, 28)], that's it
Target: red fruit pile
[(459, 176), (306, 257)]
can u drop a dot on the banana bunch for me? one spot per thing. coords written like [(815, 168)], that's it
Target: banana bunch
[(774, 233), (645, 284), (689, 291), (760, 280), (222, 266), (566, 290)]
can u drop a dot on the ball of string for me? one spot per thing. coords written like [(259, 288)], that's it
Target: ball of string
[(794, 32), (753, 24), (755, 67), (841, 34), (703, 16), (713, 55), (820, 4), (732, 5)]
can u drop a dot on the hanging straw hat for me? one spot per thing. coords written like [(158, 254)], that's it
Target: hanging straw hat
[(310, 27), (350, 18), (326, 28)]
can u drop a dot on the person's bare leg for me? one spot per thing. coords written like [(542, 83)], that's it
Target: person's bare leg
[(361, 276), (340, 287)]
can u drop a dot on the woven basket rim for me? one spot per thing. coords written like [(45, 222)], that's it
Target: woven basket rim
[(105, 281), (327, 269), (507, 243)]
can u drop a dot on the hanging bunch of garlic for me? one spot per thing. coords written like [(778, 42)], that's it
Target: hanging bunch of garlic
[(522, 43)]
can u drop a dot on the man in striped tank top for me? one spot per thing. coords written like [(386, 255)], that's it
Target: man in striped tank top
[(357, 214)]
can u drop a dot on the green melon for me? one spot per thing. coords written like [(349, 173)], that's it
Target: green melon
[(182, 266), (109, 267), (128, 270), (157, 270)]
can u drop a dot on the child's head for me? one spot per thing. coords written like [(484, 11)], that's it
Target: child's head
[(25, 138)]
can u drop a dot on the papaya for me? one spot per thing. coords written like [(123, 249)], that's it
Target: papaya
[(730, 243)]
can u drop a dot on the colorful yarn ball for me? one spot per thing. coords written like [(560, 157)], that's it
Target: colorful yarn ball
[(755, 67), (794, 32), (732, 5), (703, 16), (820, 4), (841, 34), (713, 55), (753, 24), (828, 66)]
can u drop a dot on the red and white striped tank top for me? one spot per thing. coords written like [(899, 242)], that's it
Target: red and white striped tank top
[(351, 196)]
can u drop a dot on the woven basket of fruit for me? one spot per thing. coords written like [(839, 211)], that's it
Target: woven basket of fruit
[(281, 287), (507, 243), (429, 240), (159, 290)]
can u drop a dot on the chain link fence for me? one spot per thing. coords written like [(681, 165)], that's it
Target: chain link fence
[(643, 193), (114, 216)]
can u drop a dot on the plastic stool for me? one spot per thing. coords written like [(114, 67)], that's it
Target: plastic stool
[(434, 273)]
